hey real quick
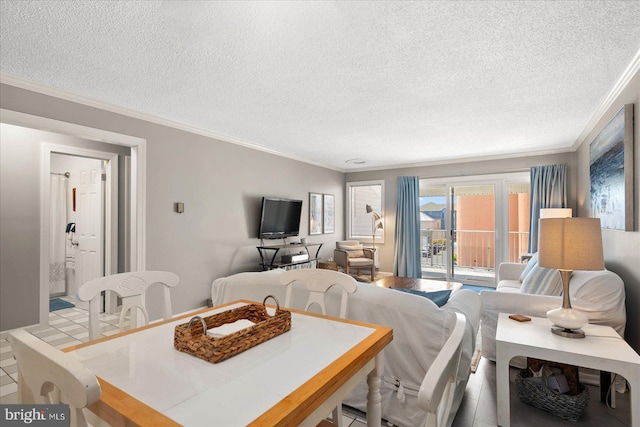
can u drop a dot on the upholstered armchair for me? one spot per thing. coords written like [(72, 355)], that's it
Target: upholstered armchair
[(349, 254)]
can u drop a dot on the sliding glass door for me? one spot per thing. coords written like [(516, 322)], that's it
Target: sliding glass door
[(469, 226)]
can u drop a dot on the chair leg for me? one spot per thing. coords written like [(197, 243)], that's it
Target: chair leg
[(373, 272), (336, 416)]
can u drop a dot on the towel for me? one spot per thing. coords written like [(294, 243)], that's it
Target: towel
[(70, 251), (229, 328)]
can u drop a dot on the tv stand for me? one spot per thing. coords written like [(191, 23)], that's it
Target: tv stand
[(268, 255)]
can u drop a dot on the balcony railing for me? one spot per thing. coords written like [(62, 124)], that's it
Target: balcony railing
[(473, 249)]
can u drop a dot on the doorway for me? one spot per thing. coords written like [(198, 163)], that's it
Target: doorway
[(78, 211), (469, 225), (134, 246)]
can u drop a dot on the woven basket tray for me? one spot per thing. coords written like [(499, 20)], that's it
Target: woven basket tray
[(191, 337), (561, 405)]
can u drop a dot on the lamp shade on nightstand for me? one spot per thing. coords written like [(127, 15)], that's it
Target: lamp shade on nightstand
[(569, 244)]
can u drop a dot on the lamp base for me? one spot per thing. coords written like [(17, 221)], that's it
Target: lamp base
[(567, 322), (568, 333)]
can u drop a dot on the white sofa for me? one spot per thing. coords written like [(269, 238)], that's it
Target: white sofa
[(420, 329), (598, 294)]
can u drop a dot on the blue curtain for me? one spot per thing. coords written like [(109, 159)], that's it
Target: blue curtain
[(407, 259), (548, 190)]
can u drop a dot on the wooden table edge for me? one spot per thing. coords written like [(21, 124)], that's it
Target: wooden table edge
[(119, 408)]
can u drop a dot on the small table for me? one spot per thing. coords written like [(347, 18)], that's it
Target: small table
[(425, 285), (602, 349)]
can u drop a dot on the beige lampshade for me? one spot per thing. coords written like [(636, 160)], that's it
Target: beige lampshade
[(556, 213), (570, 244)]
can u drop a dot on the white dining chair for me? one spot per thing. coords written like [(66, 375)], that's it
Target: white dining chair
[(46, 375), (318, 282), (131, 288), (438, 387)]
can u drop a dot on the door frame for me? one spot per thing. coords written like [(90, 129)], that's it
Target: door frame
[(110, 207), (137, 225), (500, 182)]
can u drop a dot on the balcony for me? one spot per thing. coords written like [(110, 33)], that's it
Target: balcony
[(474, 252)]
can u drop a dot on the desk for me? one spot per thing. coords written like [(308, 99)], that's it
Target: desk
[(293, 379), (269, 263), (602, 349)]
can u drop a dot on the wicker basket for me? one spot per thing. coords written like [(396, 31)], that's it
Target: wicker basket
[(192, 338), (561, 405)]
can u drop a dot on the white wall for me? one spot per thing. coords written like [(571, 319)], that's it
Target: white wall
[(621, 249), (221, 185)]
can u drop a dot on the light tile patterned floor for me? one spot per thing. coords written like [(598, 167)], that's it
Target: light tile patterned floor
[(67, 327), (478, 408)]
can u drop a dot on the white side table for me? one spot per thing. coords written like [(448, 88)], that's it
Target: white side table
[(602, 349)]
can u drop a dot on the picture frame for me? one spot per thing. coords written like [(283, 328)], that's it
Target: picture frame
[(611, 173), (328, 209), (315, 214)]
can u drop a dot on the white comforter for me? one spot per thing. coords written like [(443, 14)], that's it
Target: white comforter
[(420, 329)]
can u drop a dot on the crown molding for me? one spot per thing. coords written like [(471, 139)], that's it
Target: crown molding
[(476, 159), (628, 74), (89, 102)]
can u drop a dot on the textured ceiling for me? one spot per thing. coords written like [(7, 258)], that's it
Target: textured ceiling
[(393, 83)]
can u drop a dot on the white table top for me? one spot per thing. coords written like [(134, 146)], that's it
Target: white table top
[(600, 342), (236, 391)]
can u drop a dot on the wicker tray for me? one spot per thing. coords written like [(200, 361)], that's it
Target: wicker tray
[(561, 405), (192, 338)]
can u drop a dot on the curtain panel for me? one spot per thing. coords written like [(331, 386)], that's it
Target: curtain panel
[(548, 190), (407, 256)]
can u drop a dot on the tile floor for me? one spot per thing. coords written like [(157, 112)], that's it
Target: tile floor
[(478, 409)]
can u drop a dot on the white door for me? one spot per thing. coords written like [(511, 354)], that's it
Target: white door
[(90, 225)]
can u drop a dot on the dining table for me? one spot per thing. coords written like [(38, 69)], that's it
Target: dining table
[(295, 378)]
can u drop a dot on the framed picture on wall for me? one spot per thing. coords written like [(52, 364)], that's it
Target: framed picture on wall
[(315, 213), (329, 209), (611, 172)]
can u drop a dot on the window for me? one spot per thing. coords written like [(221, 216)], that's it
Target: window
[(360, 223)]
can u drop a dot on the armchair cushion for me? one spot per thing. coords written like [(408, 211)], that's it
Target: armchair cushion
[(360, 262)]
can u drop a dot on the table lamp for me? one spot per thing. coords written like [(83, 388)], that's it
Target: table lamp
[(556, 213), (569, 244), (375, 217)]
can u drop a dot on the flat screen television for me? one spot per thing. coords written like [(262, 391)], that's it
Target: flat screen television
[(280, 218)]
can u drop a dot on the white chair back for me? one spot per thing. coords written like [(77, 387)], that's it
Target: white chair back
[(318, 282), (46, 375), (131, 288), (439, 384)]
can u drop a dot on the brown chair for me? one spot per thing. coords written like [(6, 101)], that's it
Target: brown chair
[(350, 254)]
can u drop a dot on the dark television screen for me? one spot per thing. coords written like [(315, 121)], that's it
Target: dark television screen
[(280, 218)]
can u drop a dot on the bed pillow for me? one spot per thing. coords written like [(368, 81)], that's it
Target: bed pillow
[(542, 281), (440, 298), (533, 261), (353, 251)]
